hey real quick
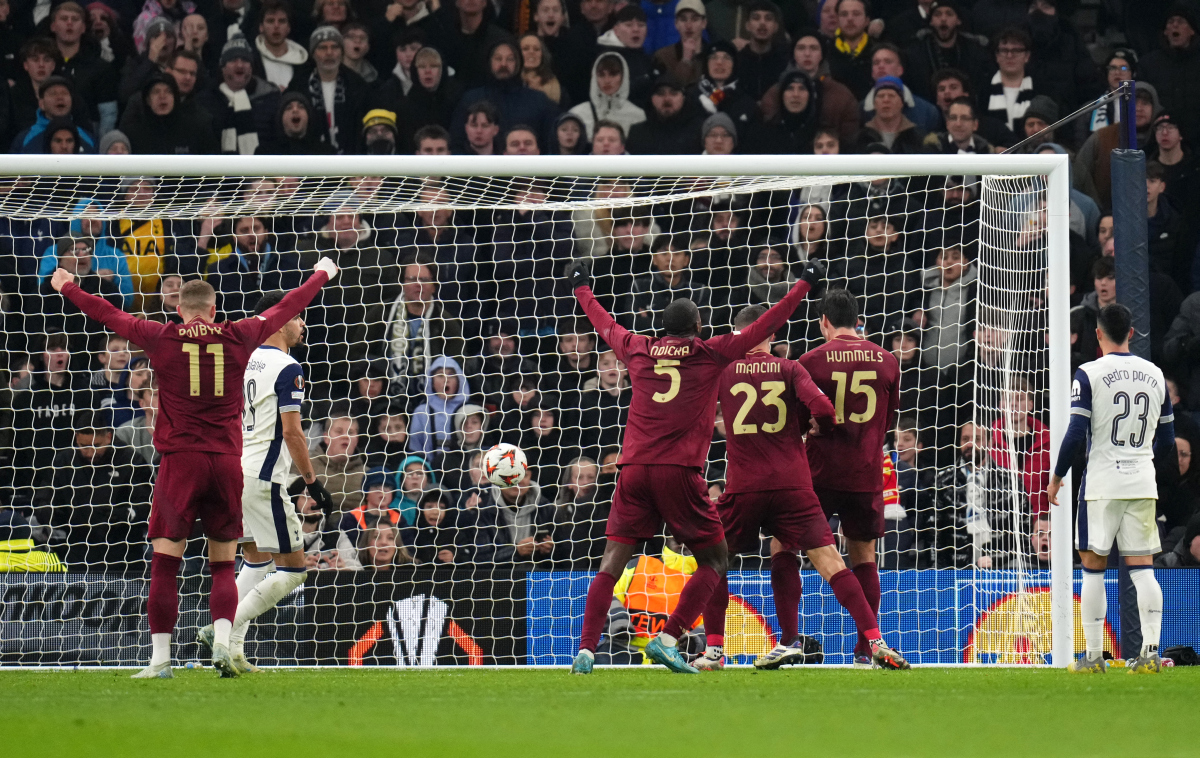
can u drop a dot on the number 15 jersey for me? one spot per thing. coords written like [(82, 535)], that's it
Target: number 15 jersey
[(1126, 399), (863, 381)]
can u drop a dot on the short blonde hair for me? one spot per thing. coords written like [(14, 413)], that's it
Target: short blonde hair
[(197, 296)]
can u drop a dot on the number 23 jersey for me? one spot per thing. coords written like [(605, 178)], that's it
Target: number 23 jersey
[(274, 385), (1126, 399), (863, 381)]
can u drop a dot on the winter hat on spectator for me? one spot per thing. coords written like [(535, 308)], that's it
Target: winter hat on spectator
[(695, 6), (323, 34), (667, 79), (951, 4), (892, 83), (1184, 11), (1043, 107), (237, 48), (62, 124), (160, 25), (55, 81), (468, 409), (630, 12), (1165, 118), (1127, 55), (113, 137), (379, 116), (722, 120)]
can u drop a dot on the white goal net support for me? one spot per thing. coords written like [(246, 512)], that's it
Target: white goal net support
[(450, 328)]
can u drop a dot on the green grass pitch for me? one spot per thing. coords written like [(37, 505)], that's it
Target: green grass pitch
[(646, 713)]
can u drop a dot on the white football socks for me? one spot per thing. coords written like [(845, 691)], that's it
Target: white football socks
[(1150, 606), (161, 652), (251, 574), (714, 652), (221, 630), (667, 639), (264, 597), (1093, 607)]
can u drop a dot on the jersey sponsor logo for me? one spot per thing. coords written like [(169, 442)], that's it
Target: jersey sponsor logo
[(671, 351), (758, 367), (853, 356), (1076, 391), (199, 330)]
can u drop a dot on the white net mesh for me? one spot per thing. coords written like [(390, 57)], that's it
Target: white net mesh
[(463, 278)]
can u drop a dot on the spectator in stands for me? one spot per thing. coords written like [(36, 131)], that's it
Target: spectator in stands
[(520, 140), (339, 96), (242, 105), (719, 135), (446, 390), (38, 58), (42, 414), (278, 56), (115, 45), (470, 437), (609, 139), (603, 405), (154, 57), (55, 103), (253, 266), (516, 524), (1120, 68), (356, 45), (505, 88), (1186, 551), (890, 126), (412, 17), (918, 379), (379, 133), (537, 70), (1092, 169), (946, 45), (718, 89), (570, 135), (608, 98), (810, 234), (886, 62), (1175, 67), (380, 547), (579, 518), (441, 534), (850, 56), (96, 499), (1039, 116), (108, 385), (137, 433), (1012, 88), (193, 38), (670, 279), (387, 445), (880, 275), (297, 129), (950, 85), (230, 19), (433, 96), (545, 449), (164, 126), (481, 130), (1181, 349), (967, 492), (94, 78), (626, 38), (334, 13), (1181, 170), (670, 128), (837, 107), (947, 312), (469, 36), (1062, 64), (684, 58), (338, 463), (63, 316), (1030, 456), (961, 136), (574, 363), (419, 327), (432, 140), (324, 549), (765, 56)]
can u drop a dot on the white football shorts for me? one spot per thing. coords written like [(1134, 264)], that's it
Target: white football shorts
[(1130, 522), (269, 518)]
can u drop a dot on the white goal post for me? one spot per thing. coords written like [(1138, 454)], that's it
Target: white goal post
[(36, 187)]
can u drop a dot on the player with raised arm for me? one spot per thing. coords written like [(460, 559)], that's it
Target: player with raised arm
[(863, 380), (666, 440), (769, 403), (198, 366), (272, 545), (1121, 410)]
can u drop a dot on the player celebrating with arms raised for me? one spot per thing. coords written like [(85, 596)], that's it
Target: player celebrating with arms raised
[(666, 440), (272, 546), (199, 366), (863, 380), (768, 484), (1121, 409)]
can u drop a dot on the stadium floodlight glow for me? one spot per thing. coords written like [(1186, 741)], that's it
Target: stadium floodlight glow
[(500, 230)]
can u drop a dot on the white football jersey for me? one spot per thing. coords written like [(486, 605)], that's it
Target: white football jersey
[(1126, 399), (274, 384)]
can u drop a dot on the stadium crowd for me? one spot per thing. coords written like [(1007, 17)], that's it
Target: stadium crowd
[(451, 330)]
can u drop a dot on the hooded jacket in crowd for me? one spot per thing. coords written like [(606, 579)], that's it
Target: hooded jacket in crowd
[(278, 69), (517, 103), (951, 314), (240, 117), (602, 107), (315, 140), (351, 95), (419, 106), (433, 420), (788, 133), (182, 131), (642, 68), (728, 97), (1175, 73), (105, 256)]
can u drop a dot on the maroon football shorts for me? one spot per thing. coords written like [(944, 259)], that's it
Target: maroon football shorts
[(649, 495), (861, 513), (794, 517), (195, 485)]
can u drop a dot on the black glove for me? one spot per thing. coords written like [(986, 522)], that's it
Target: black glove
[(579, 275), (814, 272), (317, 492)]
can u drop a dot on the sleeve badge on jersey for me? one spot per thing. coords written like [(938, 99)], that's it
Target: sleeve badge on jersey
[(299, 382), (1076, 391)]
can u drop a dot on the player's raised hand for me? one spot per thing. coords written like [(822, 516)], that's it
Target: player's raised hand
[(579, 275), (328, 266), (814, 272), (61, 278)]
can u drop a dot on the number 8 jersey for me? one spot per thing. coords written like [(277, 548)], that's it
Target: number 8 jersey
[(274, 384), (1126, 399)]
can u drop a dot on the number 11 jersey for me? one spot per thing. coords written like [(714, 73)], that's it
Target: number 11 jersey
[(1126, 399), (863, 381)]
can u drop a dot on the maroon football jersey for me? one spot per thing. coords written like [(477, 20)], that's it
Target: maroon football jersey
[(767, 402), (675, 380), (863, 381), (198, 366)]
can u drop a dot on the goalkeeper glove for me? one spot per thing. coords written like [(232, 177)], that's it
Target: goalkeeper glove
[(317, 492), (579, 275), (328, 266), (814, 272)]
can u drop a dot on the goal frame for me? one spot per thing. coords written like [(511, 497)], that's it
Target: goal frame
[(1054, 167)]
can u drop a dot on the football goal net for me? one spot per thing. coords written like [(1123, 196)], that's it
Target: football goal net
[(451, 328)]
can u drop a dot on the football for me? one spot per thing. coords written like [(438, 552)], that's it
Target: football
[(505, 465)]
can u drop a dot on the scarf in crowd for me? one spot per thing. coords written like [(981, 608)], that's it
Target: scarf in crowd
[(997, 103), (317, 94), (844, 47), (711, 95), (241, 138)]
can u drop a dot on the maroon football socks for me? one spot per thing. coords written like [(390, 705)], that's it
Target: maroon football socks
[(223, 601), (868, 579), (163, 604), (714, 614), (595, 612), (785, 585), (692, 600)]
